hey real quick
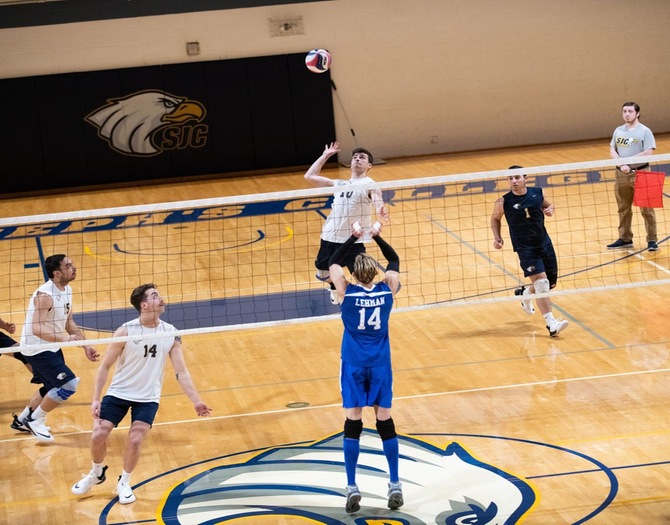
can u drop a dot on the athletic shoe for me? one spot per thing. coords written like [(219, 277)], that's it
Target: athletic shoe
[(652, 246), (557, 327), (353, 499), (18, 425), (88, 480), (395, 496), (526, 304), (39, 429), (125, 492), (334, 298), (620, 243)]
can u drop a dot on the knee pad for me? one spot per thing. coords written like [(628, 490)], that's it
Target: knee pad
[(541, 285), (386, 429), (65, 391), (323, 275), (44, 390), (353, 428)]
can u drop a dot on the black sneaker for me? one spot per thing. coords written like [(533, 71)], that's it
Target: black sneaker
[(620, 243), (18, 425), (652, 246)]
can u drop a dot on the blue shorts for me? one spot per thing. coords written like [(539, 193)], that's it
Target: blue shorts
[(114, 409), (50, 369), (539, 260), (366, 386)]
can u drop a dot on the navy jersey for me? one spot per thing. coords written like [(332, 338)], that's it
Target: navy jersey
[(365, 315), (525, 219)]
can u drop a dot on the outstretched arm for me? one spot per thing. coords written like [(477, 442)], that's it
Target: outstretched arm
[(112, 354), (313, 174), (392, 272), (184, 378)]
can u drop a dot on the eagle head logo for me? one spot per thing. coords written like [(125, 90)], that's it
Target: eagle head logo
[(129, 123), (441, 485)]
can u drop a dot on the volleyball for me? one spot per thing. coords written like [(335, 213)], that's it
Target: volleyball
[(318, 60)]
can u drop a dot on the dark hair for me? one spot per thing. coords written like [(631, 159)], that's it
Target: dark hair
[(514, 167), (634, 104), (363, 150), (139, 294), (52, 263)]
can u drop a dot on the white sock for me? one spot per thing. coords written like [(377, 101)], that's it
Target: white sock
[(549, 318), (38, 413), (97, 469), (125, 477), (24, 414)]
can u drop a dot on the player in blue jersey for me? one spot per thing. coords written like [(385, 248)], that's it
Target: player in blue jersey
[(524, 209), (366, 377)]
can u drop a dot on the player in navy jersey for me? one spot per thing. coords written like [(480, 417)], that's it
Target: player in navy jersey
[(8, 342), (366, 376), (524, 209)]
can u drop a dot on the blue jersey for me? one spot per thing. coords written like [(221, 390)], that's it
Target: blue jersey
[(365, 315), (525, 219)]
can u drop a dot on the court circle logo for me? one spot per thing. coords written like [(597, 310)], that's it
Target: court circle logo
[(441, 485), (147, 123)]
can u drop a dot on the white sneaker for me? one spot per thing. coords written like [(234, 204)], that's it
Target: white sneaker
[(38, 429), (334, 298), (353, 499), (557, 327), (395, 496), (125, 492), (88, 480)]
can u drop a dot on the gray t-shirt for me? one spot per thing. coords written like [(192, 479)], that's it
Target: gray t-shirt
[(628, 142)]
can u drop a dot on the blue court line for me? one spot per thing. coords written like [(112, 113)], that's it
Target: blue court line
[(222, 312), (40, 256)]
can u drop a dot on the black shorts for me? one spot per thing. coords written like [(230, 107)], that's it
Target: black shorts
[(114, 409), (327, 249), (7, 342), (50, 368), (539, 260)]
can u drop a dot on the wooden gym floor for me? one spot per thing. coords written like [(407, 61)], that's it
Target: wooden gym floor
[(578, 423)]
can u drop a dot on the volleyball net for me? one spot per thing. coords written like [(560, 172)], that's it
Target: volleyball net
[(235, 262)]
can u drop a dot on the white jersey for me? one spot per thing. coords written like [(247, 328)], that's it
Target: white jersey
[(55, 319), (141, 366), (349, 206)]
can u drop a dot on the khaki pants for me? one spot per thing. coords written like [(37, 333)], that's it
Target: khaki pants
[(624, 187)]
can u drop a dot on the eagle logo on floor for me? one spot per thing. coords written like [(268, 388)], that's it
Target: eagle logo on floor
[(441, 486), (149, 122)]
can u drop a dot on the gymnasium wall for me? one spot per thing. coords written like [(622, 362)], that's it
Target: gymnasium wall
[(412, 78), (158, 122)]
